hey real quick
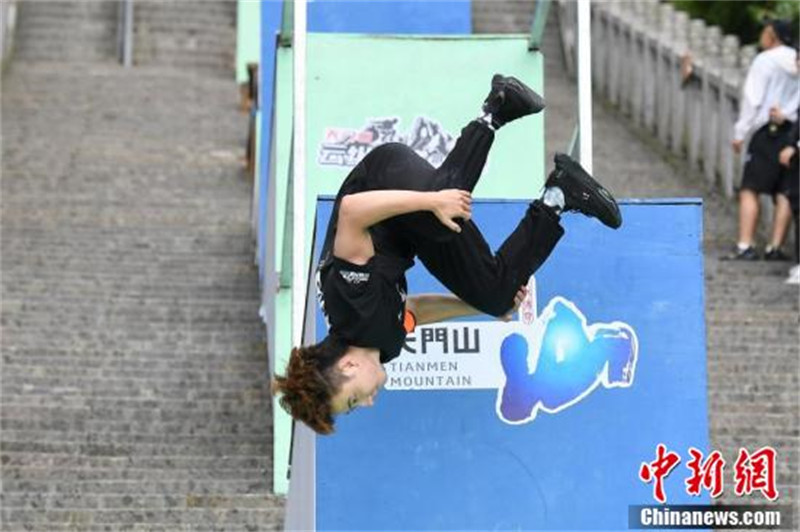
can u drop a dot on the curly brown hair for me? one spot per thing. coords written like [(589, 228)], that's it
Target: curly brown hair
[(310, 381)]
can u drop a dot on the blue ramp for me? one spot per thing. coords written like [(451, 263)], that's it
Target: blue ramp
[(541, 423)]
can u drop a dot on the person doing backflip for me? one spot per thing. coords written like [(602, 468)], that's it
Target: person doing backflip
[(394, 206)]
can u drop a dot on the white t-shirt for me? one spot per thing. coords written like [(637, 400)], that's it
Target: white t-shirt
[(772, 81)]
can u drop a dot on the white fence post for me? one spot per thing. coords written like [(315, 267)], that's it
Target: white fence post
[(728, 109), (711, 98), (696, 111), (663, 73), (678, 48), (650, 67)]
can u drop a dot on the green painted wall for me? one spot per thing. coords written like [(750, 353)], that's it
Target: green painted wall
[(281, 331), (283, 141), (355, 78), (248, 36)]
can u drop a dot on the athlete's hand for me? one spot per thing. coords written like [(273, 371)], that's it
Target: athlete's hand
[(522, 293), (450, 204), (737, 146)]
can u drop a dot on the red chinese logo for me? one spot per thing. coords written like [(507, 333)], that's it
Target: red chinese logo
[(752, 472), (756, 472), (706, 474), (658, 470)]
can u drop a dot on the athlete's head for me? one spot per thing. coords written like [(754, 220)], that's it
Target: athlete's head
[(327, 379)]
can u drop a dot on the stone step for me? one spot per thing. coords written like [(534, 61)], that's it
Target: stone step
[(125, 278), (104, 216), (68, 8), (202, 40), (490, 16), (147, 502), (173, 285), (207, 191), (72, 442), (129, 263), (744, 351), (190, 51), (108, 246), (192, 294), (178, 8), (248, 519), (218, 66), (208, 27), (179, 344), (133, 462), (183, 379), (168, 362), (137, 323), (93, 36), (238, 425), (246, 357), (180, 485), (82, 31), (126, 265), (717, 364), (85, 54)]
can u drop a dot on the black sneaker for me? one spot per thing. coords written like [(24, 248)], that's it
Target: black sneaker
[(582, 193), (775, 254), (747, 254), (510, 99)]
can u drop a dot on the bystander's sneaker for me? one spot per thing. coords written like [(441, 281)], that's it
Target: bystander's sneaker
[(743, 254), (775, 254), (794, 275)]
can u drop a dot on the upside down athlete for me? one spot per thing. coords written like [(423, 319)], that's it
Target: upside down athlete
[(394, 206)]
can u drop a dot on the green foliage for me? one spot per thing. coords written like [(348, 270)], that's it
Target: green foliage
[(741, 18)]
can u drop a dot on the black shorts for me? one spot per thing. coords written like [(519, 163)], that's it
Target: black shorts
[(763, 172)]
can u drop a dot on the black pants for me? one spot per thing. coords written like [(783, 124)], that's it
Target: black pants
[(461, 261)]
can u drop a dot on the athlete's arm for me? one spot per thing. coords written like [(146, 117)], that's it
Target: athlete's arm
[(357, 212), (432, 308)]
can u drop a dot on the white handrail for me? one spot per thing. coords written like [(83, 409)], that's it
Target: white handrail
[(585, 83), (299, 171)]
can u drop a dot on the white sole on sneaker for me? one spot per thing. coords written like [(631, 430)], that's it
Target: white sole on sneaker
[(794, 276)]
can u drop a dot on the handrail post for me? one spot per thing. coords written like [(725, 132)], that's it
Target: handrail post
[(585, 83), (125, 33), (287, 24), (299, 170), (538, 24)]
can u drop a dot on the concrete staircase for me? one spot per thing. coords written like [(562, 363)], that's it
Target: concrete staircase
[(504, 16), (187, 35), (196, 35), (77, 31), (134, 384), (134, 377)]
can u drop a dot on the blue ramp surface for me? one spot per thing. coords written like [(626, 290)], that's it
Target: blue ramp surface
[(541, 423)]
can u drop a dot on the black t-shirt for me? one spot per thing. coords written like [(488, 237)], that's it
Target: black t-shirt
[(365, 304)]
